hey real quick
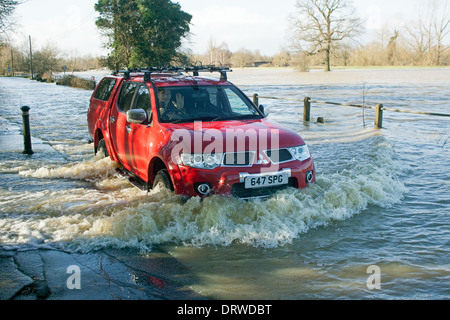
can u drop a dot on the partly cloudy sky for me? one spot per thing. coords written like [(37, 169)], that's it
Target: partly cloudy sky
[(252, 24)]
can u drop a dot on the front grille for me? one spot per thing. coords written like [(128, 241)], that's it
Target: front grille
[(279, 156), (239, 159), (238, 190)]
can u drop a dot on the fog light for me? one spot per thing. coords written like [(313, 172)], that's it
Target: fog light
[(203, 188), (309, 176)]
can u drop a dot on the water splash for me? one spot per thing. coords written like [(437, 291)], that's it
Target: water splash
[(90, 170), (114, 213)]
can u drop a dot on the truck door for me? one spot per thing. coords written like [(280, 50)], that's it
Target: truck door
[(144, 139), (119, 127)]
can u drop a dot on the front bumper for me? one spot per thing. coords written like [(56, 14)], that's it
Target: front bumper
[(231, 181)]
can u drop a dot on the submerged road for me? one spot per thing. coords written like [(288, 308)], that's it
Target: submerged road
[(109, 274)]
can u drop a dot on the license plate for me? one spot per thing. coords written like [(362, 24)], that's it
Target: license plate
[(267, 180)]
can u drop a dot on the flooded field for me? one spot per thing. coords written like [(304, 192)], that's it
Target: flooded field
[(382, 196)]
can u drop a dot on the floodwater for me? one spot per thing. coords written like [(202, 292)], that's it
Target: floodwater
[(382, 197)]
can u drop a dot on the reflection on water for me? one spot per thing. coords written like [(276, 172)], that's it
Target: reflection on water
[(381, 196)]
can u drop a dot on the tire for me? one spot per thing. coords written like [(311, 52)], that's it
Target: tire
[(162, 179), (101, 149)]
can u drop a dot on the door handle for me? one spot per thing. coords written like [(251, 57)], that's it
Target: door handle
[(129, 129), (112, 119)]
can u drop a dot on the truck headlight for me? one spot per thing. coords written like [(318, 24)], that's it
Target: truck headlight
[(300, 153), (202, 161)]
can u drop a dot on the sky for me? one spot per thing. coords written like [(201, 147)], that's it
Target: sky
[(252, 24)]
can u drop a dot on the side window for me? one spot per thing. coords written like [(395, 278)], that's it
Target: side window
[(126, 96), (237, 104), (104, 89), (212, 93), (143, 101)]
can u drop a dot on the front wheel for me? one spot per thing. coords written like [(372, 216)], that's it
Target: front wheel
[(101, 149), (162, 181)]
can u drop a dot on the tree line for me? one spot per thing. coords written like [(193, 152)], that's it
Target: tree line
[(324, 33), (45, 61), (21, 60), (327, 32)]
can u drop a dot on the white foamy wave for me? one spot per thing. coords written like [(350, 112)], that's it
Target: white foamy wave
[(144, 220), (89, 170), (117, 214)]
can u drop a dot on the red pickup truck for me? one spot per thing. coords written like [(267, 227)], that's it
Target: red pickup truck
[(194, 135)]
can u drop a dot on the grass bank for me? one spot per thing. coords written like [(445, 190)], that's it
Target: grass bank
[(75, 82)]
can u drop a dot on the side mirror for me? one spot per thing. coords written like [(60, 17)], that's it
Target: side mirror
[(264, 110), (138, 116)]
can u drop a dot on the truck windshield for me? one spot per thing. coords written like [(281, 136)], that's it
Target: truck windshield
[(204, 103)]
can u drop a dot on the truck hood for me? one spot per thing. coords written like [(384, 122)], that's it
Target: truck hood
[(232, 136)]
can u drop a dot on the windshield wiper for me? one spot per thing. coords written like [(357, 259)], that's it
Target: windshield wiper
[(181, 121), (206, 118), (219, 118), (246, 117)]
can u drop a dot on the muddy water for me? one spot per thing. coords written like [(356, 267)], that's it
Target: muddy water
[(382, 196)]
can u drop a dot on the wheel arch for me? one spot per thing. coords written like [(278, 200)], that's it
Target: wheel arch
[(156, 165), (97, 137)]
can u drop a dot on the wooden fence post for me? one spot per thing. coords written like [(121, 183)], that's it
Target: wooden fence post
[(256, 99), (379, 116), (307, 109)]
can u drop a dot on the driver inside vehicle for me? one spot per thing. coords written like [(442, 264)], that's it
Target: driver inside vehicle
[(171, 109)]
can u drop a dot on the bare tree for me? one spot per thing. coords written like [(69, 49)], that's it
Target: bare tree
[(392, 48), (322, 24), (218, 54), (6, 10), (47, 60), (428, 33), (282, 59), (243, 58), (441, 26), (420, 38)]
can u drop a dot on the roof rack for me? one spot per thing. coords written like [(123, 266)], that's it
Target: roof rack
[(194, 69)]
